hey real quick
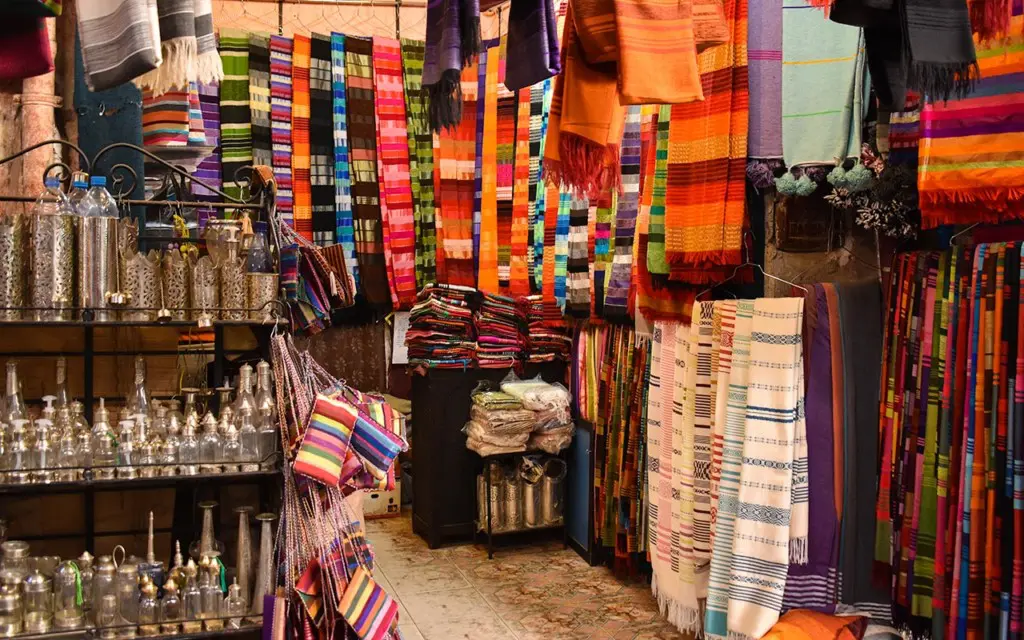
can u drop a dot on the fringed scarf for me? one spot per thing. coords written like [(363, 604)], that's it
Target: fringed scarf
[(281, 122), (321, 141), (506, 139), (487, 270), (532, 43), (703, 417), (365, 190), (771, 523), (577, 300), (119, 41), (208, 64), (519, 272), (421, 162), (616, 299), (187, 46), (302, 189), (344, 229), (453, 40), (456, 166), (235, 128), (259, 98), (393, 170)]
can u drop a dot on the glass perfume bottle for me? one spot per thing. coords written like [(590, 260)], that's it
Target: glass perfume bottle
[(104, 575), (86, 574), (103, 444), (191, 410), (43, 456), (232, 450), (192, 599), (14, 404), (151, 568), (63, 423), (211, 447), (234, 606), (248, 437), (107, 616), (176, 573), (188, 452), (148, 609), (78, 416), (67, 600), (158, 424), (209, 587), (127, 587), (171, 612), (245, 401), (67, 458), (62, 397), (19, 456), (138, 403), (126, 451), (266, 405)]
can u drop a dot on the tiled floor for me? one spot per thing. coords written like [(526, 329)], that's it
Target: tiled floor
[(541, 592)]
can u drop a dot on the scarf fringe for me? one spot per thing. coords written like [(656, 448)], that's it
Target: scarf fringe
[(990, 19), (736, 635), (584, 167), (944, 80), (446, 101), (686, 619), (178, 68), (470, 41), (798, 550), (209, 69)]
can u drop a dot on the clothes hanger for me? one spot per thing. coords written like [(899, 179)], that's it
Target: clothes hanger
[(958, 234), (749, 263)]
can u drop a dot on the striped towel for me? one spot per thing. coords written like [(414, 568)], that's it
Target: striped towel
[(702, 430), (281, 122), (368, 609), (196, 128), (771, 512), (301, 187), (321, 141), (165, 119), (119, 41), (344, 230), (561, 244), (235, 127), (505, 178), (823, 65), (259, 98), (538, 95), (478, 159), (394, 173), (600, 236), (421, 161)]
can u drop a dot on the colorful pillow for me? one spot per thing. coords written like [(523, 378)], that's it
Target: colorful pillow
[(375, 445), (367, 608), (326, 441)]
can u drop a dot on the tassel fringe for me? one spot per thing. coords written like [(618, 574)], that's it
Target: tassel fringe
[(470, 42), (942, 81), (446, 101), (686, 619), (584, 166), (209, 69), (736, 635), (798, 550), (178, 68)]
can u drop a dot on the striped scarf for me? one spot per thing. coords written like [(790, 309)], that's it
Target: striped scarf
[(505, 156), (365, 189), (478, 162), (771, 523), (539, 94), (488, 276), (519, 272), (421, 162), (302, 208), (764, 56), (196, 128), (259, 98), (702, 435), (600, 235), (178, 49), (393, 169), (617, 291), (281, 122), (321, 141), (235, 129), (561, 245), (209, 169), (165, 119), (577, 300), (119, 40), (344, 231)]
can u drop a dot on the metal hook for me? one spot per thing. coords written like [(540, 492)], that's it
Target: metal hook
[(952, 238)]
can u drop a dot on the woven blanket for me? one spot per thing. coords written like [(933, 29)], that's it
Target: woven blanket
[(259, 98), (719, 314), (520, 247), (487, 269), (703, 418), (665, 301), (209, 169), (393, 169), (823, 67), (577, 295), (658, 544), (730, 412), (764, 61), (421, 162), (119, 41), (617, 292), (505, 178), (771, 513), (302, 203), (456, 165), (321, 141), (178, 49), (196, 128), (281, 122), (970, 149), (235, 128), (344, 231), (165, 121), (707, 146), (362, 132), (550, 221)]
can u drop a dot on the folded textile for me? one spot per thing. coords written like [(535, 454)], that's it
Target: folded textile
[(165, 119), (179, 48), (119, 40), (453, 40), (441, 332), (26, 50), (532, 43), (801, 624)]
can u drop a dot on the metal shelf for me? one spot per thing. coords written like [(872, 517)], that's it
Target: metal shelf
[(92, 633), (124, 484)]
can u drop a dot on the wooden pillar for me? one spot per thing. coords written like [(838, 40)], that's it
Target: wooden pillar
[(38, 102)]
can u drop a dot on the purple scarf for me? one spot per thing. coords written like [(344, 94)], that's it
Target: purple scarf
[(532, 44), (764, 66), (453, 40)]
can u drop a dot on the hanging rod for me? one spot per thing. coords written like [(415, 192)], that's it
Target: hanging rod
[(197, 204), (346, 3)]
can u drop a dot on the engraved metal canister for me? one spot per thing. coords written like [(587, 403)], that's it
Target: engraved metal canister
[(127, 246), (175, 274), (97, 265), (142, 283), (13, 239), (205, 288), (52, 267), (232, 289), (262, 293)]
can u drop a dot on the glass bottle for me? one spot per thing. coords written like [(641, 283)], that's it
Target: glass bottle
[(245, 401), (128, 591), (192, 599), (67, 458), (126, 451), (19, 456), (191, 409), (209, 588), (86, 574), (232, 450), (64, 424), (177, 570), (211, 447), (67, 596), (103, 444), (258, 260), (106, 615), (174, 413), (38, 607), (248, 437), (265, 402), (171, 612), (188, 452), (158, 424), (151, 568), (148, 610), (50, 413), (104, 575), (139, 401), (14, 404), (234, 606), (61, 397), (78, 416), (43, 456)]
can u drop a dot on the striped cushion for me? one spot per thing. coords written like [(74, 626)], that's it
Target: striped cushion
[(326, 441), (375, 444), (367, 608)]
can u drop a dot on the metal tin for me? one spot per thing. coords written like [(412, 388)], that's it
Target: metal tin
[(175, 275), (233, 292), (205, 288), (262, 292), (13, 237), (513, 499), (551, 491), (97, 265), (142, 284), (52, 267)]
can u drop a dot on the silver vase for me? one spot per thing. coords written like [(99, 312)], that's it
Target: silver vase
[(265, 569), (13, 240), (97, 265), (175, 274), (232, 289), (52, 267), (142, 284), (205, 288), (262, 294), (244, 553)]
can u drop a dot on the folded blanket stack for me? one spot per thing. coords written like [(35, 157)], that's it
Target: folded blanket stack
[(546, 340), (500, 328), (498, 423), (441, 328)]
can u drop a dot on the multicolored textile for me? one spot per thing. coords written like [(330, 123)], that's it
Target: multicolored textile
[(302, 207), (259, 98), (505, 175), (165, 119), (822, 86), (532, 43), (369, 610), (520, 247), (488, 278), (362, 131), (539, 96), (970, 149), (577, 282), (321, 141), (813, 625), (562, 220), (394, 174), (421, 162), (325, 441), (119, 41), (196, 128), (209, 169), (235, 127), (281, 123), (764, 61), (453, 40), (344, 230), (617, 292), (176, 25)]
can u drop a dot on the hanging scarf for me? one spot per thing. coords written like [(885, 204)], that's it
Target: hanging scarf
[(563, 224), (196, 129), (532, 43), (259, 98), (365, 190), (281, 122), (209, 169), (720, 316), (505, 157), (657, 262), (482, 107), (540, 97), (421, 162), (344, 231), (165, 121), (600, 236), (577, 296), (702, 430), (453, 40), (302, 207), (208, 64), (487, 274), (617, 292), (519, 276), (1017, 580), (658, 475), (765, 68), (550, 221), (119, 41), (771, 522), (321, 141), (179, 49), (235, 127)]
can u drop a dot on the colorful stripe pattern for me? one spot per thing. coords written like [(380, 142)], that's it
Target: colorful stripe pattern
[(344, 229), (235, 128), (321, 141), (326, 441), (519, 275), (421, 161), (302, 210), (209, 169), (368, 609), (165, 119), (259, 98), (281, 122), (617, 292)]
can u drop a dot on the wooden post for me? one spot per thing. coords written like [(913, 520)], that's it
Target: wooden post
[(38, 102)]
